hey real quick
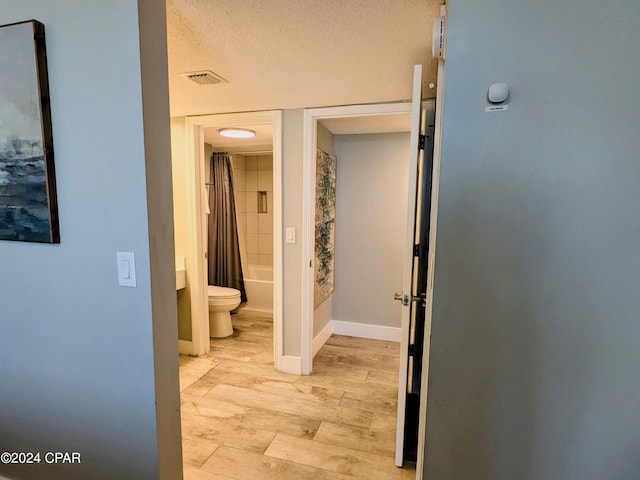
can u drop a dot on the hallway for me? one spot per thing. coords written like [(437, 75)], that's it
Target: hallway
[(243, 420)]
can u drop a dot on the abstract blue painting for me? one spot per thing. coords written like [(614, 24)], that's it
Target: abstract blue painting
[(28, 203)]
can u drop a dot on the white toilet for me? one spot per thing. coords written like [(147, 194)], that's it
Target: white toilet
[(221, 301)]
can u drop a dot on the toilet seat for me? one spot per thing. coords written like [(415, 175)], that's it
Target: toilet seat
[(222, 292)]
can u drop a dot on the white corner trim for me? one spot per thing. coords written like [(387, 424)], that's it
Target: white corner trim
[(363, 330), (321, 338), (290, 364), (185, 347)]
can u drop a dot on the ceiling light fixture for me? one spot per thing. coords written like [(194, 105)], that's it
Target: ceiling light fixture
[(237, 132)]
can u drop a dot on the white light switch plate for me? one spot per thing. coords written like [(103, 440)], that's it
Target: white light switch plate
[(290, 235), (126, 269)]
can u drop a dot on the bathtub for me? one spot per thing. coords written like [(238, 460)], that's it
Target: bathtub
[(258, 282)]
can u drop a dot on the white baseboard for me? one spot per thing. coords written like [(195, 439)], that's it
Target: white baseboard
[(321, 338), (374, 332), (290, 364), (185, 347)]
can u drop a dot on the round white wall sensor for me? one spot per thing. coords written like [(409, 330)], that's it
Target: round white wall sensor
[(498, 92)]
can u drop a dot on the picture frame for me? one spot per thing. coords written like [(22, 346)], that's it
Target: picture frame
[(28, 199)]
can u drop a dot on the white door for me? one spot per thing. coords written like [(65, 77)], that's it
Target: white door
[(415, 276)]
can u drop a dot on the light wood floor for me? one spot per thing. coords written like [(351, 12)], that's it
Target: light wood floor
[(243, 420)]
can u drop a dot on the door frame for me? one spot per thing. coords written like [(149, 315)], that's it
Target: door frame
[(197, 263), (311, 118)]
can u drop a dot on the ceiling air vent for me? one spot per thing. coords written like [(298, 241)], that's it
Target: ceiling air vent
[(205, 77)]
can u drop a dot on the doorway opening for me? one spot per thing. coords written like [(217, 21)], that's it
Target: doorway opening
[(356, 119), (378, 120), (201, 135)]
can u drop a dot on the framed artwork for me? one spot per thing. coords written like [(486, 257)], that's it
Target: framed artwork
[(326, 166), (28, 203)]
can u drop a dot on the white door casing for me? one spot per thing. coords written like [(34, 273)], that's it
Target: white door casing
[(311, 117), (196, 263)]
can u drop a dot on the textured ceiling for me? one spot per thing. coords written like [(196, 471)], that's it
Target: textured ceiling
[(279, 54)]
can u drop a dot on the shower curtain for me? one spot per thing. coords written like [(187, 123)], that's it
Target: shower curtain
[(225, 269)]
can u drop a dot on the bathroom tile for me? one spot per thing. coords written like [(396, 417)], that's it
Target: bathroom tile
[(265, 223), (265, 181), (252, 163), (265, 246), (239, 181), (270, 202), (338, 459), (253, 259), (221, 353), (262, 329), (252, 202), (253, 245), (241, 160), (241, 200), (265, 259), (265, 163), (251, 181), (252, 223), (242, 345)]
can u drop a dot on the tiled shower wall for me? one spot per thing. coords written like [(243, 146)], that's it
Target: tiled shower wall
[(253, 174)]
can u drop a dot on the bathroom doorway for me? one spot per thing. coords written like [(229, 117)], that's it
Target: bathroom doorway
[(260, 259)]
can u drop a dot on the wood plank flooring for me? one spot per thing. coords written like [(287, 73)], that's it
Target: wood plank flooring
[(243, 420)]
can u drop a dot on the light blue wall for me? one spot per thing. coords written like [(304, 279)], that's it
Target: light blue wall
[(372, 184), (76, 350), (535, 362), (293, 257)]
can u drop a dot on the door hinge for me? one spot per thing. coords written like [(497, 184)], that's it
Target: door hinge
[(412, 349), (416, 250), (421, 142)]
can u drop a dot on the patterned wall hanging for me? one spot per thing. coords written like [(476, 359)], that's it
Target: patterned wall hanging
[(325, 226)]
